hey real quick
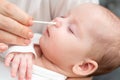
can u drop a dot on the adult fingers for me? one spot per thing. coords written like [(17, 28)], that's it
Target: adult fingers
[(12, 11), (9, 25), (3, 47), (9, 38)]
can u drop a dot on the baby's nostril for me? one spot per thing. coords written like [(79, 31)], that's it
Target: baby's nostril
[(62, 16)]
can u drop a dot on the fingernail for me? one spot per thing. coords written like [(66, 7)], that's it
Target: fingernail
[(30, 34), (27, 42), (30, 23)]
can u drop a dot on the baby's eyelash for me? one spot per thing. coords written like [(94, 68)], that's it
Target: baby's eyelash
[(62, 16), (69, 28)]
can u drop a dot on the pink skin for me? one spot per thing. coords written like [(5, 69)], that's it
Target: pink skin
[(66, 43), (21, 65), (64, 40)]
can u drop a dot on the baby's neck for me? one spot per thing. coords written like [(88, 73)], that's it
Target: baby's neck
[(42, 61)]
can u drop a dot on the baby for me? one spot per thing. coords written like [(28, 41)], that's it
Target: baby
[(84, 43)]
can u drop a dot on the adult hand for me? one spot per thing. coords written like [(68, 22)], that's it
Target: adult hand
[(13, 24)]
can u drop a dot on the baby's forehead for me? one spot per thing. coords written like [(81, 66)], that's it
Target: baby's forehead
[(96, 18), (90, 11)]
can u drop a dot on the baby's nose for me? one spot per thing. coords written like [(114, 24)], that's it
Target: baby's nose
[(58, 21)]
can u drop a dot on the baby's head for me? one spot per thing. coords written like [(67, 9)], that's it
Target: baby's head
[(85, 42)]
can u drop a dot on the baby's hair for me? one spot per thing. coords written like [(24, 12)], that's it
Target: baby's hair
[(106, 48)]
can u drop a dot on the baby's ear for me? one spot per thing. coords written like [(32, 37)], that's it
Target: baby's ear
[(85, 68)]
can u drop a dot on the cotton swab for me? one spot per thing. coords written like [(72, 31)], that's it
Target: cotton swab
[(44, 22)]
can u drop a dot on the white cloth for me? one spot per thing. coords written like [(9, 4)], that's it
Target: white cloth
[(38, 73), (29, 48), (47, 10)]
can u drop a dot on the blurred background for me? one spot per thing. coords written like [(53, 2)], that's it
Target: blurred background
[(114, 6)]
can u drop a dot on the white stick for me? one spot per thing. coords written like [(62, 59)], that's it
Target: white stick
[(44, 22)]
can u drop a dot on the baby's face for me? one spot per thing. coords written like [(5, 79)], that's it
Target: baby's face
[(68, 40)]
